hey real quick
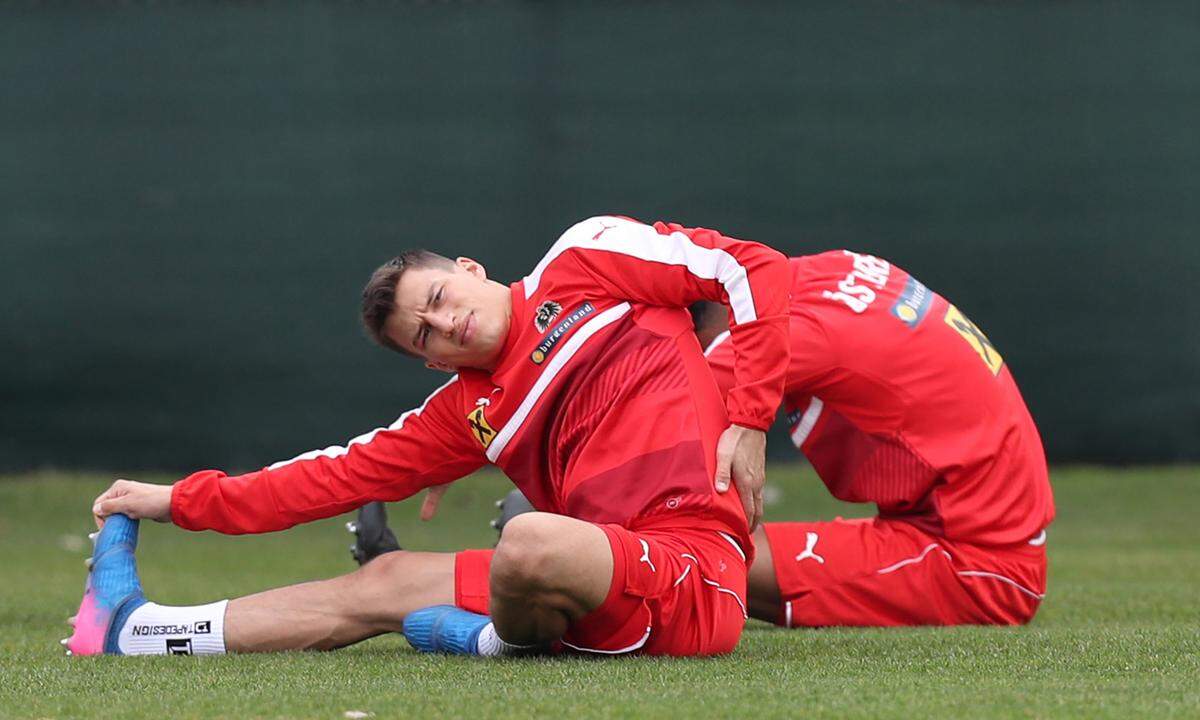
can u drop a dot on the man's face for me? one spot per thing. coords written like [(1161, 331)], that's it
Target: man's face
[(451, 317)]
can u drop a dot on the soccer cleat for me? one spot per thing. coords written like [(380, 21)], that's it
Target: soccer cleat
[(372, 536), (514, 503), (112, 591), (445, 629)]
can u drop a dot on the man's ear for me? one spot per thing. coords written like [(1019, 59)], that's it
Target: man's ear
[(441, 366), (472, 267)]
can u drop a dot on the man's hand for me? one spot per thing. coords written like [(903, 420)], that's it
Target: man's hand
[(433, 496), (135, 499), (741, 454)]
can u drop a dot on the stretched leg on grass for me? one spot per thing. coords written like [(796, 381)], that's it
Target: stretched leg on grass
[(116, 618)]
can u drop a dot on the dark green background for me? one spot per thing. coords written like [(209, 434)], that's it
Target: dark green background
[(193, 194)]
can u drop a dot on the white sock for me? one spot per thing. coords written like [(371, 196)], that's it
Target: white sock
[(490, 644), (155, 629)]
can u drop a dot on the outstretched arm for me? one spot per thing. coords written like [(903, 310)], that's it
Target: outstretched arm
[(425, 447)]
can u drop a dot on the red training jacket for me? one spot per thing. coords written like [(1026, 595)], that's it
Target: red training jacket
[(598, 327), (897, 398)]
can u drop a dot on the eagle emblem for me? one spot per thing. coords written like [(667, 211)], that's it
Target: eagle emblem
[(545, 314)]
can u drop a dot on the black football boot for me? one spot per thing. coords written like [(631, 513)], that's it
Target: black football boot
[(512, 505), (372, 536)]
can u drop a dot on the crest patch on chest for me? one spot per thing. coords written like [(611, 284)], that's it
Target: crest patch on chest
[(480, 427), (545, 314), (546, 346)]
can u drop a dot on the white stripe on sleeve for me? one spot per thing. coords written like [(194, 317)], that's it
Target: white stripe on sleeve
[(626, 237), (807, 421)]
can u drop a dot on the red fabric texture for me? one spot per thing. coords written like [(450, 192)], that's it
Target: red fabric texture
[(878, 572), (898, 400), (613, 290), (663, 598), (472, 580), (908, 414)]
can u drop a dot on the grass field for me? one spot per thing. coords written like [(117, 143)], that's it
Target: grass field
[(1118, 635)]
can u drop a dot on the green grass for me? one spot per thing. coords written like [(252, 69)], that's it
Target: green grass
[(1118, 635)]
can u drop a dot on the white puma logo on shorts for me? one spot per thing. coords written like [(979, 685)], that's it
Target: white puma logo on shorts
[(810, 545), (646, 555)]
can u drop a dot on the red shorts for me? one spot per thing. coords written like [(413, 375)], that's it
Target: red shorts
[(876, 572), (673, 592)]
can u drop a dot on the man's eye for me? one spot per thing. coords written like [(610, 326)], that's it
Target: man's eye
[(437, 299), (424, 334)]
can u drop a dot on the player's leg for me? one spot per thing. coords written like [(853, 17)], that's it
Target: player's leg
[(676, 592), (763, 595), (672, 592), (115, 617), (867, 572), (547, 572), (876, 572), (1008, 583), (340, 611)]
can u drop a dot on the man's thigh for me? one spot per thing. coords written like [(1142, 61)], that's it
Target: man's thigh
[(875, 572), (673, 592)]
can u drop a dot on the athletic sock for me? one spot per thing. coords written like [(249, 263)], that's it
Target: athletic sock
[(155, 629), (490, 644)]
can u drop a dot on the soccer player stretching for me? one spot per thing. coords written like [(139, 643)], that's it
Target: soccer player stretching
[(896, 398), (585, 384)]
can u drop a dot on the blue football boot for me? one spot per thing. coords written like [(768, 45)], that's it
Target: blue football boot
[(112, 591), (445, 629)]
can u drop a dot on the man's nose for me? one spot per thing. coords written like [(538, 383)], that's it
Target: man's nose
[(443, 322)]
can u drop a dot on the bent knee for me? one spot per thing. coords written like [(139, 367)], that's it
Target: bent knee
[(525, 554)]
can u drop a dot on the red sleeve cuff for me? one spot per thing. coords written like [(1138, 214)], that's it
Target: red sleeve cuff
[(182, 493), (176, 502), (754, 423)]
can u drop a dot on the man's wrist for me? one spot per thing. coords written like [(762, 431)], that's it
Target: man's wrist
[(748, 423), (174, 509)]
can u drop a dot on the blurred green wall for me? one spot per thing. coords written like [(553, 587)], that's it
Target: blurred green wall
[(194, 194)]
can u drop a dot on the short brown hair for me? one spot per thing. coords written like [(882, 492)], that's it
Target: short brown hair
[(379, 296)]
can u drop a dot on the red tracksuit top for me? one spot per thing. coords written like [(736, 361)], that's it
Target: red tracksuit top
[(596, 324), (896, 398)]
